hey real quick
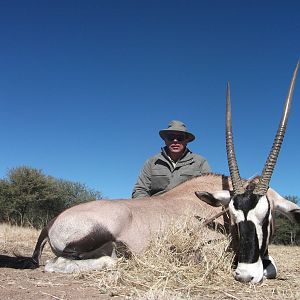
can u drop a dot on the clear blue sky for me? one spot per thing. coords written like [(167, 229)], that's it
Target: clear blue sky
[(85, 86)]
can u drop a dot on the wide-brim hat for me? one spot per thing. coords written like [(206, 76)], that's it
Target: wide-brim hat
[(176, 126)]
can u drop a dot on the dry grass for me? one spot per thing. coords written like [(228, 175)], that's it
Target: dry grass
[(176, 265), (13, 238), (19, 240)]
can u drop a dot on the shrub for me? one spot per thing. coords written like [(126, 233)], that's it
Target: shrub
[(29, 197)]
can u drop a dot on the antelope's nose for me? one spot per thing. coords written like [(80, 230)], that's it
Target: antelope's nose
[(243, 277)]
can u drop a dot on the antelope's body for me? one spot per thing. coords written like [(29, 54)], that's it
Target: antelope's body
[(96, 228), (131, 222)]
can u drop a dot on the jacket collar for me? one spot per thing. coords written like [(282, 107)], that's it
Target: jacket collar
[(186, 157)]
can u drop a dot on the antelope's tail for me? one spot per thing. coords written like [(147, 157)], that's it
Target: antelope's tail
[(18, 262), (25, 262)]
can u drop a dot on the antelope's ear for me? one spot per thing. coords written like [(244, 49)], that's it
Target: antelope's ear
[(215, 199), (284, 206)]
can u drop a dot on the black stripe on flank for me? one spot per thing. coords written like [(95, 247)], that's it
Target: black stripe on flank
[(248, 243), (95, 240)]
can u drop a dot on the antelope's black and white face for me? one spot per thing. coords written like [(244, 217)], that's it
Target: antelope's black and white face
[(252, 228), (252, 216)]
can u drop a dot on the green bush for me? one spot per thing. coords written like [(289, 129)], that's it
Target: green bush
[(29, 197)]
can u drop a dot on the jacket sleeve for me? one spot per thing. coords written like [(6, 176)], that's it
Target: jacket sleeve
[(143, 185), (205, 167)]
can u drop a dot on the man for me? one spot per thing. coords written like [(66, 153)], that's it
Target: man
[(172, 166)]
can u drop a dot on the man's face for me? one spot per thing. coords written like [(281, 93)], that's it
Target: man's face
[(176, 141)]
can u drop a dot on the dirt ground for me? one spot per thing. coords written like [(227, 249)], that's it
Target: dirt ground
[(36, 284)]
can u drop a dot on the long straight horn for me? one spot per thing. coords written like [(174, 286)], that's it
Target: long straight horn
[(232, 163), (263, 185)]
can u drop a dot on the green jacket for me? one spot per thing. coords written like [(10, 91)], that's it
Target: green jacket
[(158, 174)]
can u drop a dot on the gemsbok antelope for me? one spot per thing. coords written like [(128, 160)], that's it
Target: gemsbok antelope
[(88, 236)]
